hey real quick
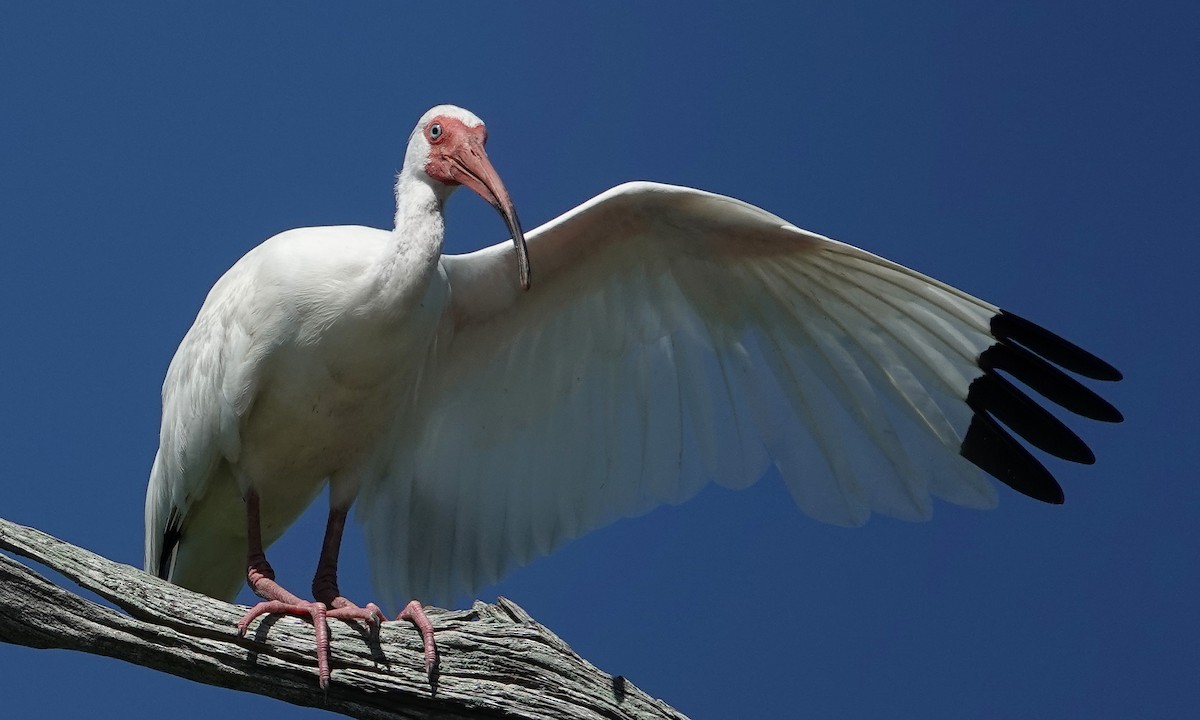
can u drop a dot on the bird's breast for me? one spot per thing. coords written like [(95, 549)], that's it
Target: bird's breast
[(324, 406)]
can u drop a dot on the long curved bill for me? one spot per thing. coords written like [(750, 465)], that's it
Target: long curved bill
[(478, 174)]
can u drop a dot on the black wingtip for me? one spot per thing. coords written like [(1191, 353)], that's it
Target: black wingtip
[(1065, 354), (1048, 381), (1029, 354), (994, 451), (992, 394)]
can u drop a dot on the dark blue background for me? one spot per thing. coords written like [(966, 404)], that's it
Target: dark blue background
[(1040, 155)]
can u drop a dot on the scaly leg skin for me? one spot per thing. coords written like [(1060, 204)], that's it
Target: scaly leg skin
[(325, 589), (330, 604), (415, 613), (261, 579), (325, 586)]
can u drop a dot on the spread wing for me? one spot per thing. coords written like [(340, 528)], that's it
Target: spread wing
[(673, 338)]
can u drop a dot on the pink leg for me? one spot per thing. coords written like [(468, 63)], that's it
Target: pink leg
[(415, 613), (325, 587), (329, 601), (261, 578)]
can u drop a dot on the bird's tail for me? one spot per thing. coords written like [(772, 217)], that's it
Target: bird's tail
[(162, 524), (208, 556)]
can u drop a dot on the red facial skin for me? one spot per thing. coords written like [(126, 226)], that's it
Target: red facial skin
[(456, 157), (452, 144)]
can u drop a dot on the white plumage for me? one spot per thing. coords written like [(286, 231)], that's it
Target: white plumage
[(265, 391), (671, 338)]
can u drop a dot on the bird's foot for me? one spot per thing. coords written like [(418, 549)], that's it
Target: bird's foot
[(277, 600), (316, 612), (415, 613), (342, 609)]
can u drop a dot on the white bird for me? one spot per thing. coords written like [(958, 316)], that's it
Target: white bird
[(672, 338)]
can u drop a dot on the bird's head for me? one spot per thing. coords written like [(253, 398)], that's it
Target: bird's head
[(447, 146)]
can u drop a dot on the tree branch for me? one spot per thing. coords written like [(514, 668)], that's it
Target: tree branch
[(496, 661)]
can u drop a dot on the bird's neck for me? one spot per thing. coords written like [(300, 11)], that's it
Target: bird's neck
[(416, 243), (418, 201), (420, 225)]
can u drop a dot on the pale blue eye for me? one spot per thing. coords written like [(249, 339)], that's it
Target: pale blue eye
[(435, 131)]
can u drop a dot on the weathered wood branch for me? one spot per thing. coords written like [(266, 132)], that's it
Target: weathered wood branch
[(496, 661)]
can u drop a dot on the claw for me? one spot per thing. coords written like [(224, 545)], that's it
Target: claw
[(343, 609)]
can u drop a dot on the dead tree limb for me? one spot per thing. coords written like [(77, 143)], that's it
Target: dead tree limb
[(496, 661)]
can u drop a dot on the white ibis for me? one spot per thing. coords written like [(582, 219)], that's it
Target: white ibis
[(671, 338)]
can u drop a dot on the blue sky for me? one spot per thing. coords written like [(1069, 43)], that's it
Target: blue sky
[(1040, 155)]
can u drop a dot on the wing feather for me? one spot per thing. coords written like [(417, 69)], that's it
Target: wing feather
[(675, 338)]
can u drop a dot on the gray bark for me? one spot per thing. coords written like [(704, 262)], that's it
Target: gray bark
[(496, 661)]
